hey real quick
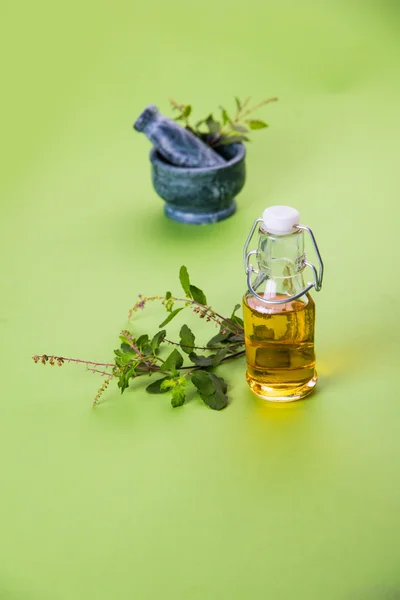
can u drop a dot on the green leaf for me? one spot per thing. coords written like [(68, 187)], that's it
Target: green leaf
[(257, 124), (171, 316), (156, 386), (218, 399), (213, 125), (219, 356), (142, 341), (185, 281), (240, 128), (200, 360), (232, 139), (131, 372), (238, 104), (174, 361), (144, 345), (234, 338), (211, 388), (127, 349), (203, 382), (126, 342), (123, 358), (208, 361), (167, 384), (178, 395), (235, 319), (220, 338), (225, 117), (157, 339), (187, 339), (219, 383), (169, 303), (123, 383), (198, 295), (125, 376), (186, 111)]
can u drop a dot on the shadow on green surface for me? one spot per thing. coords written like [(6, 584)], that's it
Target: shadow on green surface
[(162, 227), (381, 594), (6, 594)]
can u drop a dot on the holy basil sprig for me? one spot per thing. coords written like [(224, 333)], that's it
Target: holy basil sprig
[(188, 363), (226, 128)]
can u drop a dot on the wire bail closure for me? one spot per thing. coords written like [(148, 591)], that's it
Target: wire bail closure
[(318, 274)]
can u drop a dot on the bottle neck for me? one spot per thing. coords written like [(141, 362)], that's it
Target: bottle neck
[(281, 261), (281, 255)]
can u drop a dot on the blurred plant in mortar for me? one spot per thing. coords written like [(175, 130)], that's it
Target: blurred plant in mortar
[(199, 168)]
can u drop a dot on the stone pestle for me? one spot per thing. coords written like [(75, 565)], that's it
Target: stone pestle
[(176, 144)]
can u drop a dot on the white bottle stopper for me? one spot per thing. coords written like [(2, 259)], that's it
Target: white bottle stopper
[(280, 220)]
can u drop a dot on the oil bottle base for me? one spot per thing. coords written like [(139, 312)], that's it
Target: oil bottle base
[(281, 392)]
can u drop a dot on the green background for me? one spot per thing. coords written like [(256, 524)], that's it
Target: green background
[(136, 499)]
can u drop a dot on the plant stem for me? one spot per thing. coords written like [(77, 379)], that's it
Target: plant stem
[(201, 347), (208, 308), (257, 106), (75, 360), (86, 362), (240, 115), (245, 103), (235, 355), (141, 305), (98, 371), (186, 301), (204, 347)]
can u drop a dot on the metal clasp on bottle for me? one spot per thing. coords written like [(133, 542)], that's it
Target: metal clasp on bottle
[(318, 273)]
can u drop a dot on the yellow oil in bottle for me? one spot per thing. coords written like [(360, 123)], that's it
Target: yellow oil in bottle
[(280, 348)]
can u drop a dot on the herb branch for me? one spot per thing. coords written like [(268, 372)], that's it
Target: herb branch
[(226, 129), (144, 355)]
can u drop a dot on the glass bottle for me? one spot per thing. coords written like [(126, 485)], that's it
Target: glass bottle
[(279, 313), (176, 144)]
